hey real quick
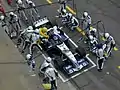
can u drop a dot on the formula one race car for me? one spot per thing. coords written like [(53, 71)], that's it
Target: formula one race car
[(60, 47)]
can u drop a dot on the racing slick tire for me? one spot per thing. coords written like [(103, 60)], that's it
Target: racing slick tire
[(81, 51), (58, 63)]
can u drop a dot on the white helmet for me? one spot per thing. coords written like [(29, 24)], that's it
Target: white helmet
[(30, 28), (64, 11), (94, 29), (29, 2), (45, 65), (37, 30), (28, 56), (91, 37), (11, 13), (107, 35), (85, 14), (55, 27), (2, 17), (19, 1), (70, 14), (48, 59)]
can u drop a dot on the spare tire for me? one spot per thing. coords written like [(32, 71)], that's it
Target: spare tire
[(81, 51)]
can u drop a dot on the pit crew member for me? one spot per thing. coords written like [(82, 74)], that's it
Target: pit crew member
[(73, 21), (35, 39), (100, 57), (51, 73), (86, 21), (32, 9), (46, 62), (93, 32), (31, 62), (110, 43), (92, 43), (62, 5), (26, 33), (4, 24), (14, 19), (21, 8)]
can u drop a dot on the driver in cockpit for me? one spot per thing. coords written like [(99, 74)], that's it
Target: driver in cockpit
[(55, 39)]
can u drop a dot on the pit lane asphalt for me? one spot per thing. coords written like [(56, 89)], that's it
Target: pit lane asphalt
[(108, 12)]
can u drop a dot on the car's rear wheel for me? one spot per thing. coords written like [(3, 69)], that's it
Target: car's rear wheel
[(81, 51)]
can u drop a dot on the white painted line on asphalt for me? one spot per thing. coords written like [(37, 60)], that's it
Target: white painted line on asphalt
[(33, 75), (90, 60), (79, 73), (71, 41)]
